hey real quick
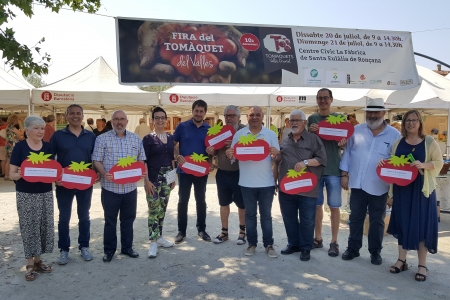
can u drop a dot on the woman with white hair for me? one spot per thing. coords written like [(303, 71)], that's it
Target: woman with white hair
[(34, 200)]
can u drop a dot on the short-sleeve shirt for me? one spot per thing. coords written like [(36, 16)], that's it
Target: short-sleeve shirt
[(223, 162), (71, 148), (20, 153), (331, 148), (256, 174), (191, 138), (308, 146), (158, 154), (109, 147)]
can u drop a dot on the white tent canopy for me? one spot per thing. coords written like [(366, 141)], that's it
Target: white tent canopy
[(96, 87), (432, 94), (14, 93)]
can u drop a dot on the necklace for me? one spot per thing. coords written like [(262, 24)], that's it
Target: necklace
[(161, 136)]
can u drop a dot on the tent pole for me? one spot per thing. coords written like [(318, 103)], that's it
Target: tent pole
[(448, 130)]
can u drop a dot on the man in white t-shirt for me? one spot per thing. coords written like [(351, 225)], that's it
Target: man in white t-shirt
[(257, 182)]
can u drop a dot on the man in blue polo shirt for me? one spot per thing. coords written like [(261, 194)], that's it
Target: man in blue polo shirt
[(191, 138), (73, 144)]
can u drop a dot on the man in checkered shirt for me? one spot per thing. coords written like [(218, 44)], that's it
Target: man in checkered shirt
[(109, 148)]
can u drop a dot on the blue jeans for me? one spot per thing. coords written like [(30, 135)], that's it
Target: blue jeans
[(360, 202), (64, 198), (185, 182), (334, 191), (264, 197), (112, 204), (294, 207)]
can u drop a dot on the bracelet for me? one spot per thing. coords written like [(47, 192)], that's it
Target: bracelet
[(346, 175)]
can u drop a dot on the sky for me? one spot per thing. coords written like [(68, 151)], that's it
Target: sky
[(76, 39)]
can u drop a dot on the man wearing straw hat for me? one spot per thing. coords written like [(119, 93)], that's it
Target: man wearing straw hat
[(369, 143)]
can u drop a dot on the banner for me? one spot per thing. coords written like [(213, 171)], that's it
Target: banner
[(152, 52)]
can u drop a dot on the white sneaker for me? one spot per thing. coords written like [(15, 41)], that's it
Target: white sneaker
[(164, 243), (153, 251)]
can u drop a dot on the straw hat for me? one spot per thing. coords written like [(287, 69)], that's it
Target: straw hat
[(376, 104)]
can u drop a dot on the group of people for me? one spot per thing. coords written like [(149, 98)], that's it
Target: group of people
[(251, 185)]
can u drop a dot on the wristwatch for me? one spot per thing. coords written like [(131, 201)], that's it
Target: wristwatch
[(305, 162)]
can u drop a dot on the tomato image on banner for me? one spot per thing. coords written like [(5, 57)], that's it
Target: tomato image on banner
[(40, 168), (335, 128), (78, 176), (218, 135), (250, 148), (196, 164), (127, 170), (398, 170), (298, 182)]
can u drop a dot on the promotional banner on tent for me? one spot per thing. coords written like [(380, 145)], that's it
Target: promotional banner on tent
[(155, 52)]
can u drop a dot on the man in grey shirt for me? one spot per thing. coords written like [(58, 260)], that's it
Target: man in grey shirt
[(227, 180)]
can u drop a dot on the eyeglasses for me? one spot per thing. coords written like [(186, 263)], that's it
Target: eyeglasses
[(414, 121), (230, 116), (323, 98), (296, 120), (159, 118), (255, 115), (121, 120)]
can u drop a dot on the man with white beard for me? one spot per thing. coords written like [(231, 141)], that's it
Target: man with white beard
[(227, 180), (301, 150), (369, 143)]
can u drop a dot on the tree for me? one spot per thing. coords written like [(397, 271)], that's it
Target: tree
[(35, 80), (20, 56)]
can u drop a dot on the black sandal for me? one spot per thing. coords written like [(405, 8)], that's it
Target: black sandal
[(241, 239), (317, 243), (402, 268), (222, 237), (419, 276)]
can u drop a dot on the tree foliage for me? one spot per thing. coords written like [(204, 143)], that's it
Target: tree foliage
[(20, 56), (35, 80)]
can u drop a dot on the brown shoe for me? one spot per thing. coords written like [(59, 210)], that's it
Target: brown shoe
[(180, 237), (317, 243), (334, 249)]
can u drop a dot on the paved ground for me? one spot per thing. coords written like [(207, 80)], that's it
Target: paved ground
[(199, 270)]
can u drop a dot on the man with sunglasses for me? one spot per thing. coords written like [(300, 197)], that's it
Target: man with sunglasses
[(301, 151), (227, 180), (256, 182), (330, 178)]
